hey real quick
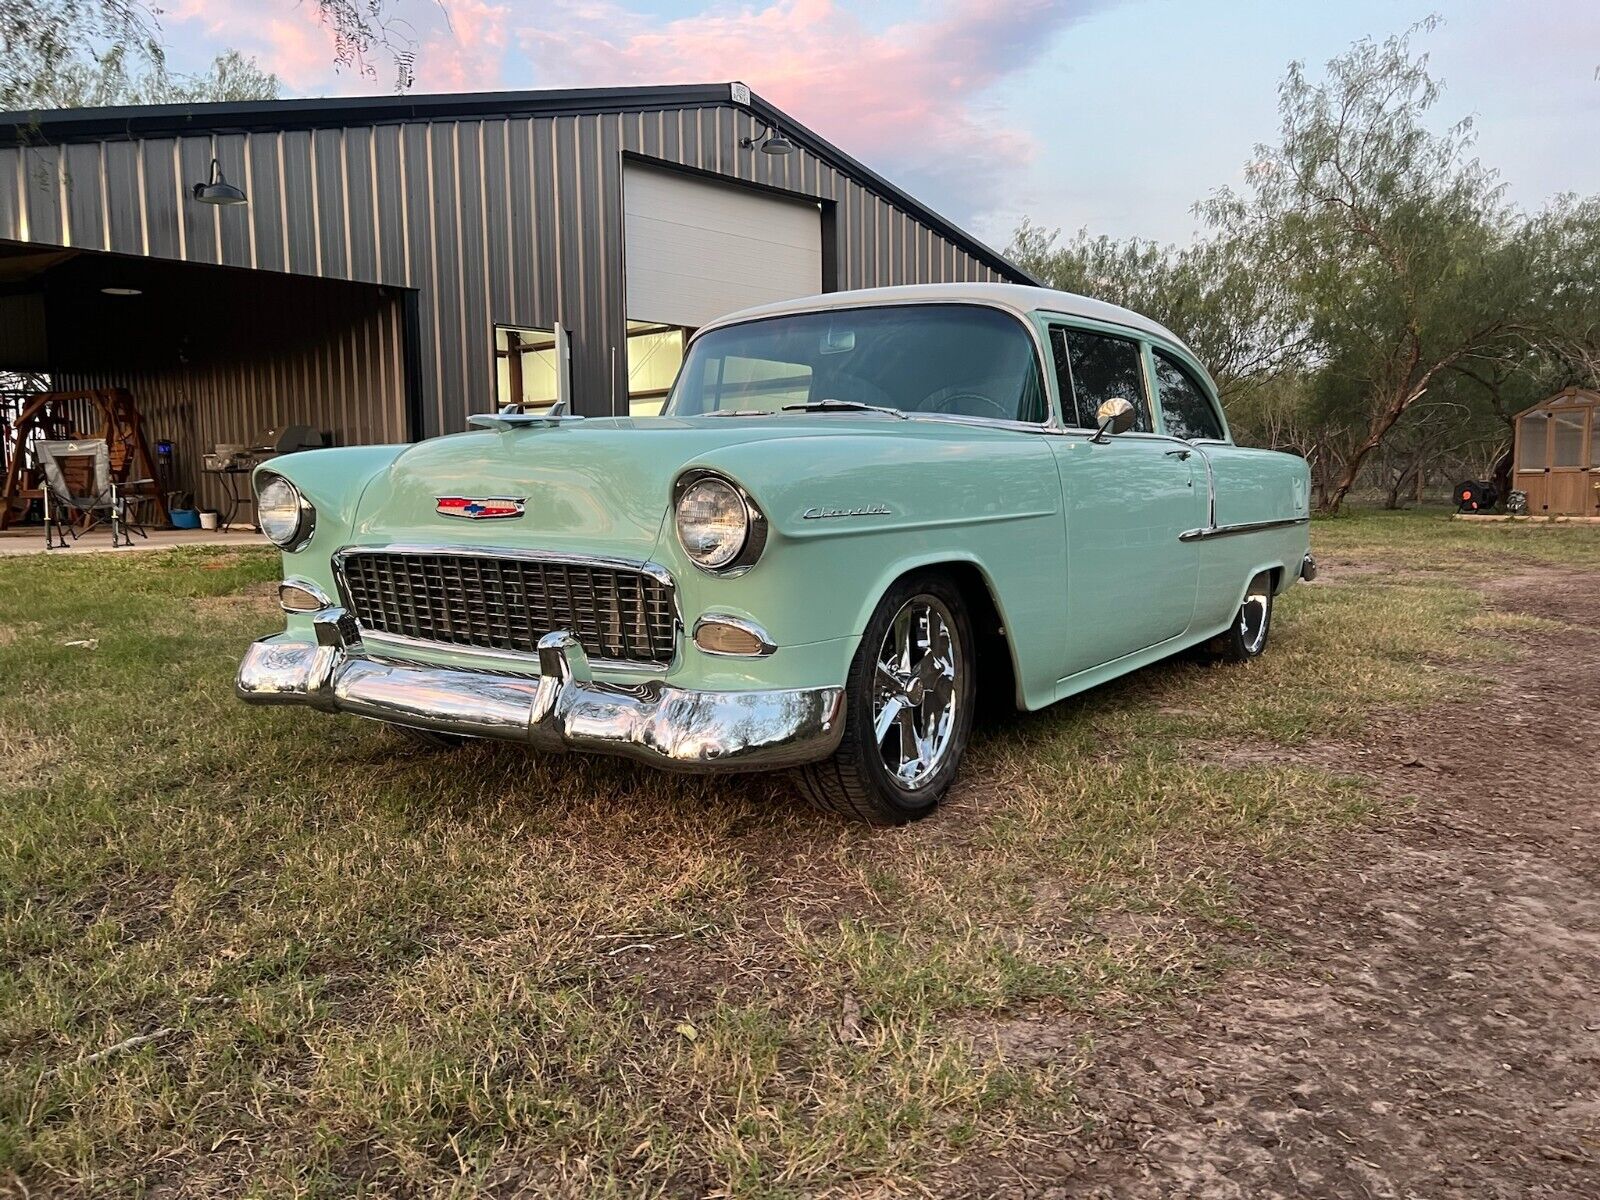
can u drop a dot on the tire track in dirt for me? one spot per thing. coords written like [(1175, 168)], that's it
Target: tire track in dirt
[(1434, 1029)]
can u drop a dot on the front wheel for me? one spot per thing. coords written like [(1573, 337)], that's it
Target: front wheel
[(1252, 624), (908, 708)]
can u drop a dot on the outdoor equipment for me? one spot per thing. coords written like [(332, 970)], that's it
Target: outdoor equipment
[(79, 484), (49, 417), (1474, 495)]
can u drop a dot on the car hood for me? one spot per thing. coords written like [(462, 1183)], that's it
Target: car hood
[(601, 485)]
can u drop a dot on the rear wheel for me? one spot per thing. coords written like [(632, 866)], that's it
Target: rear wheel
[(1252, 624), (908, 708)]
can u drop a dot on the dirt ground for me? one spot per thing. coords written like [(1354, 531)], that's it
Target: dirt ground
[(1432, 1025)]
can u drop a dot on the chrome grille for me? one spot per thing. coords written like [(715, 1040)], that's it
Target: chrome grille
[(505, 602)]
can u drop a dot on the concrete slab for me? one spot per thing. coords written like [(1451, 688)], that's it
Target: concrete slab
[(30, 540)]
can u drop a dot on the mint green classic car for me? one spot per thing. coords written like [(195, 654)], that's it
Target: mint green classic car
[(859, 515)]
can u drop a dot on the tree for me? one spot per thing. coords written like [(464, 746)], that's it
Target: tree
[(1399, 247), (86, 82), (68, 53), (1211, 294)]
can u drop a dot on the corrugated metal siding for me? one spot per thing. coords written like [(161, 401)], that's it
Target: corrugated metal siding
[(317, 354), (515, 220)]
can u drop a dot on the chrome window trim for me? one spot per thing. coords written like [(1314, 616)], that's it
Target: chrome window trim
[(767, 645), (655, 570), (1053, 321), (1202, 380), (1051, 423)]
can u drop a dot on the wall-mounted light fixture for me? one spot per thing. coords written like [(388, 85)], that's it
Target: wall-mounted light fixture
[(218, 190), (122, 291), (771, 141)]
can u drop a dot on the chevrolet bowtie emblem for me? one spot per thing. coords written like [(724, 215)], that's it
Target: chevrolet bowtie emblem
[(479, 508)]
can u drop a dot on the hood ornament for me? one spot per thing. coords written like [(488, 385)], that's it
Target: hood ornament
[(475, 508)]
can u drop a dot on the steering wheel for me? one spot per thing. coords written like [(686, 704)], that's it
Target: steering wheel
[(944, 400)]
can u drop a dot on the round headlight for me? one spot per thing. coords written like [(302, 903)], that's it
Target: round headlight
[(713, 522), (282, 513)]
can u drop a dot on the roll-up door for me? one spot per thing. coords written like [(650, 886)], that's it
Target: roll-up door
[(697, 249)]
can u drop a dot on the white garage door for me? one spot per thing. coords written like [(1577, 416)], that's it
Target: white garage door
[(697, 249)]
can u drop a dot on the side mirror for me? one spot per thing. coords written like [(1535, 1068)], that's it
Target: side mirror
[(1116, 415)]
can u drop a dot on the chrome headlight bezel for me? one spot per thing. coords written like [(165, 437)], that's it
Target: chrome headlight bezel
[(749, 547), (299, 517)]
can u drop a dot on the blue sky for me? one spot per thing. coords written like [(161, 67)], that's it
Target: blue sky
[(1111, 116)]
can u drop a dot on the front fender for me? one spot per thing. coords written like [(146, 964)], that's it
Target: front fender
[(333, 480), (849, 515)]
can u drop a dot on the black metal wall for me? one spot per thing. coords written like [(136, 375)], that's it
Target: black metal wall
[(515, 220)]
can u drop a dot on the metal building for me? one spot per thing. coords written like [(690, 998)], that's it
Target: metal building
[(400, 262)]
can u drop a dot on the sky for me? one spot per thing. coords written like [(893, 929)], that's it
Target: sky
[(1115, 117)]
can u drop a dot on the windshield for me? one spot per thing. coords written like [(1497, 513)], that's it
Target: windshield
[(955, 359)]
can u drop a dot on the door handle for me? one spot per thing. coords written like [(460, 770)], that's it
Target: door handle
[(1180, 455)]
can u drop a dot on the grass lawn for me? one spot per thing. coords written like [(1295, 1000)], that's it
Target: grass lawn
[(355, 962)]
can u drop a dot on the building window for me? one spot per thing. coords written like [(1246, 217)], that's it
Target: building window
[(655, 352), (525, 366)]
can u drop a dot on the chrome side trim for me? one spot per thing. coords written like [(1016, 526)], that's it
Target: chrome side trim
[(767, 645), (655, 570), (563, 708), (1213, 531)]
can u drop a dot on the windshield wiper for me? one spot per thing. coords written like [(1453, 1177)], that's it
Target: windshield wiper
[(738, 412), (831, 405)]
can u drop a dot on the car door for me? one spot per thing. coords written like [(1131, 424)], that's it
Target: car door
[(1127, 497)]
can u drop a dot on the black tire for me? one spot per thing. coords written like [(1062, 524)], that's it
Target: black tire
[(427, 739), (857, 782), (1252, 625)]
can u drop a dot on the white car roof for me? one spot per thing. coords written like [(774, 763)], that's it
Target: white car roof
[(1016, 296)]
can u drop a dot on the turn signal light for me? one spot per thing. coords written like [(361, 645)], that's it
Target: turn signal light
[(294, 598), (732, 637)]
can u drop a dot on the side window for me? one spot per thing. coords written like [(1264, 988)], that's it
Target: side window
[(1185, 409), (1093, 368)]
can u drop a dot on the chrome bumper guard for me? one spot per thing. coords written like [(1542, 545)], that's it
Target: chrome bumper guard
[(563, 708), (1308, 569)]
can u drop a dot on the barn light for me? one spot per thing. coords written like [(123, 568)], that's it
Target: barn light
[(770, 142), (218, 190)]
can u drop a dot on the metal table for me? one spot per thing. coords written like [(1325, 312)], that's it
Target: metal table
[(235, 493)]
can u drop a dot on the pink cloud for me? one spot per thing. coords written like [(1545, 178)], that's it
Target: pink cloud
[(466, 56), (457, 44), (291, 43), (910, 96)]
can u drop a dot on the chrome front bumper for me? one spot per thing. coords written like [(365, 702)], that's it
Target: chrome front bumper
[(563, 708)]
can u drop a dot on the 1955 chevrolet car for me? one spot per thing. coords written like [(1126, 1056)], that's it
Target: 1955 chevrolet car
[(858, 515)]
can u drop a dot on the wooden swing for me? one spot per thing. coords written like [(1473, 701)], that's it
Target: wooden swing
[(48, 416)]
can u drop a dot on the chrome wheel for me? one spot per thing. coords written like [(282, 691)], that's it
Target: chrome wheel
[(1254, 614), (915, 691)]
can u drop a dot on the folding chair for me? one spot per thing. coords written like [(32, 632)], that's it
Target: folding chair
[(78, 479)]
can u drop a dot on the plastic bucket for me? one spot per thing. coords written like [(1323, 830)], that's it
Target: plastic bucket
[(208, 518), (184, 518)]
